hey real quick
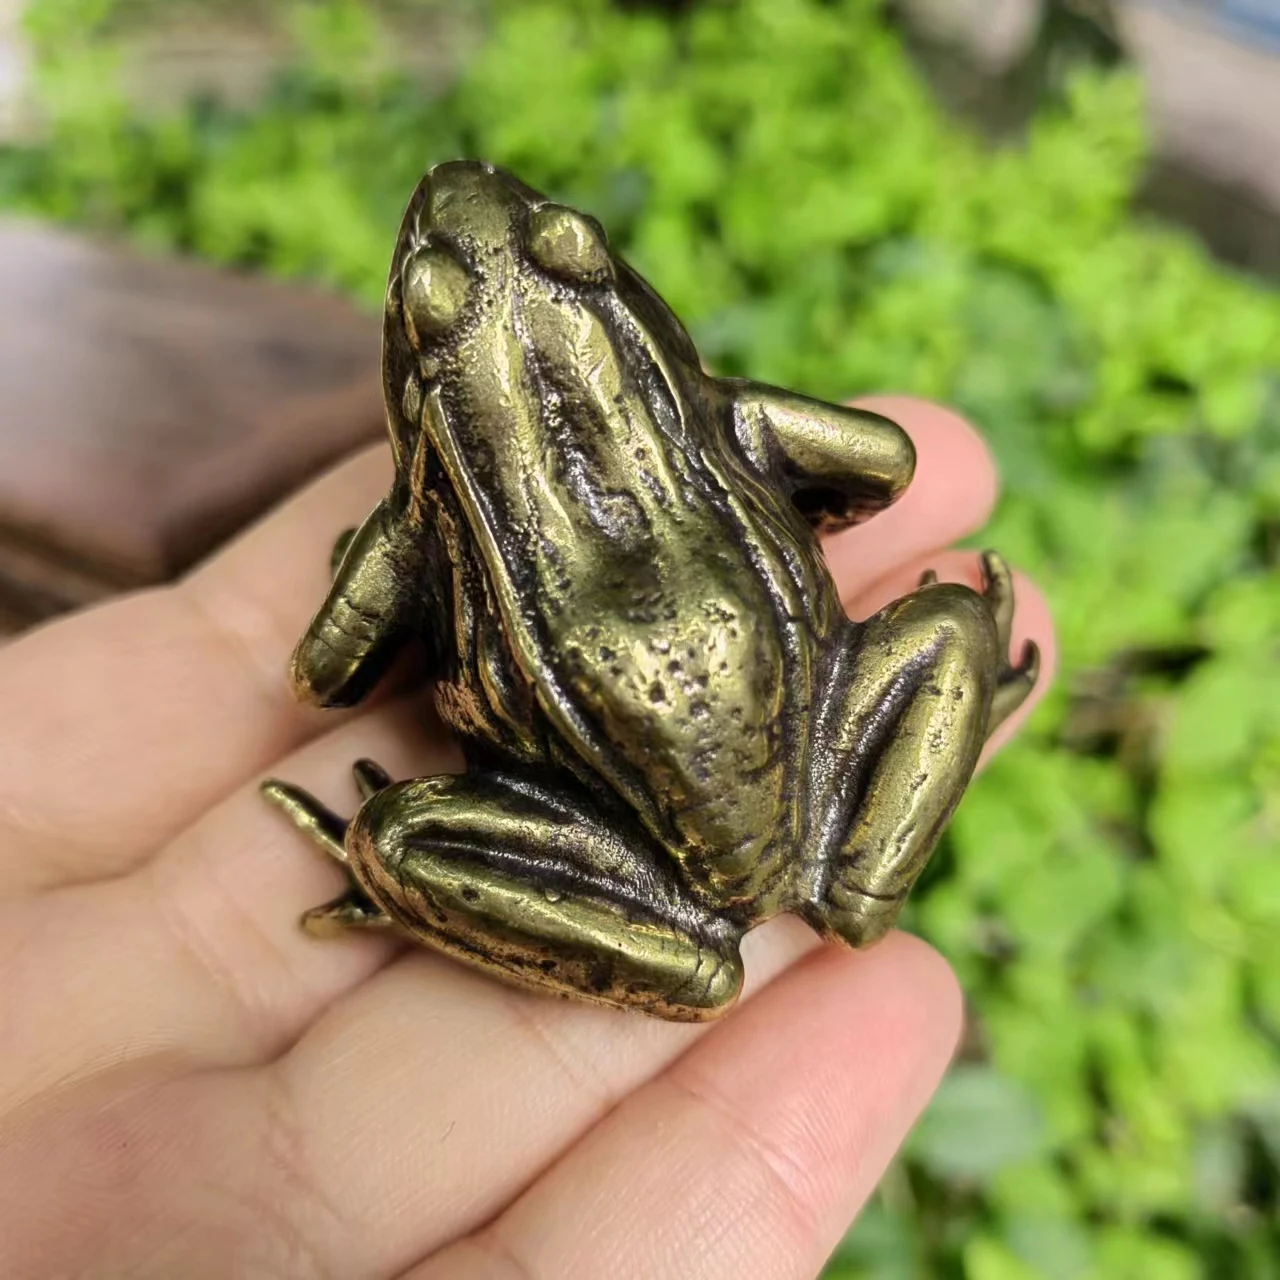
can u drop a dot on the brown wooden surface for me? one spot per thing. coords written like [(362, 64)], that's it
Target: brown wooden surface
[(150, 407)]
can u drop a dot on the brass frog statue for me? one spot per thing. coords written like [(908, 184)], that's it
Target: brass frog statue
[(672, 730)]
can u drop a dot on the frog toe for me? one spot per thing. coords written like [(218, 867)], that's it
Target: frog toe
[(350, 910), (318, 822), (370, 778)]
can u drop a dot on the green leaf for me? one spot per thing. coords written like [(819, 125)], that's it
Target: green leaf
[(978, 1123)]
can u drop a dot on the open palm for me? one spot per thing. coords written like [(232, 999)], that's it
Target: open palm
[(190, 1086)]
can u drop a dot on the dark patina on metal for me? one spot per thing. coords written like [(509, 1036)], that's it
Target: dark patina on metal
[(672, 730)]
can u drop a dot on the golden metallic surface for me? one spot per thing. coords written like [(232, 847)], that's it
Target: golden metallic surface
[(672, 730)]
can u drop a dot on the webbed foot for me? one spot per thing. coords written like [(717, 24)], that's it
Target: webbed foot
[(1013, 682), (353, 908)]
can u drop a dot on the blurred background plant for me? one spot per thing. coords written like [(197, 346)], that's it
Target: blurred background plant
[(1110, 891)]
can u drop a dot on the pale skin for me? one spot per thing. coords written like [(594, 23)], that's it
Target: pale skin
[(189, 1085)]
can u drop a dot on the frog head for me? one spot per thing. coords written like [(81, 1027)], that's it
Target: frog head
[(476, 246)]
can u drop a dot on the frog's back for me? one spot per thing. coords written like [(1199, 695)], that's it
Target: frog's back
[(650, 600)]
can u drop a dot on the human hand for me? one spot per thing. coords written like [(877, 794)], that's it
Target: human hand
[(190, 1086)]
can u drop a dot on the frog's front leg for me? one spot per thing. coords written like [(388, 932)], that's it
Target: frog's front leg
[(529, 877), (840, 465), (913, 699), (367, 614)]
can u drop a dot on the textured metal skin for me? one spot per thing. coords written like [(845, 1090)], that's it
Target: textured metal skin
[(672, 730)]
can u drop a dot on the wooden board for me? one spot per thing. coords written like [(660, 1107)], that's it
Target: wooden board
[(150, 407)]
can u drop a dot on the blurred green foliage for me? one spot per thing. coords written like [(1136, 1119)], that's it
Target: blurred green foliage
[(1110, 891)]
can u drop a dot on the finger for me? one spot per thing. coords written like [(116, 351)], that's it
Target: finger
[(464, 1088), (214, 968), (122, 724), (950, 496), (753, 1152), (1032, 621)]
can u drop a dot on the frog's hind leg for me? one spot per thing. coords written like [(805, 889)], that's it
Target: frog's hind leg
[(352, 909), (531, 878), (914, 700)]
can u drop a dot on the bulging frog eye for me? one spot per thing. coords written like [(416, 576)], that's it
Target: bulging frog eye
[(569, 243), (435, 291)]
